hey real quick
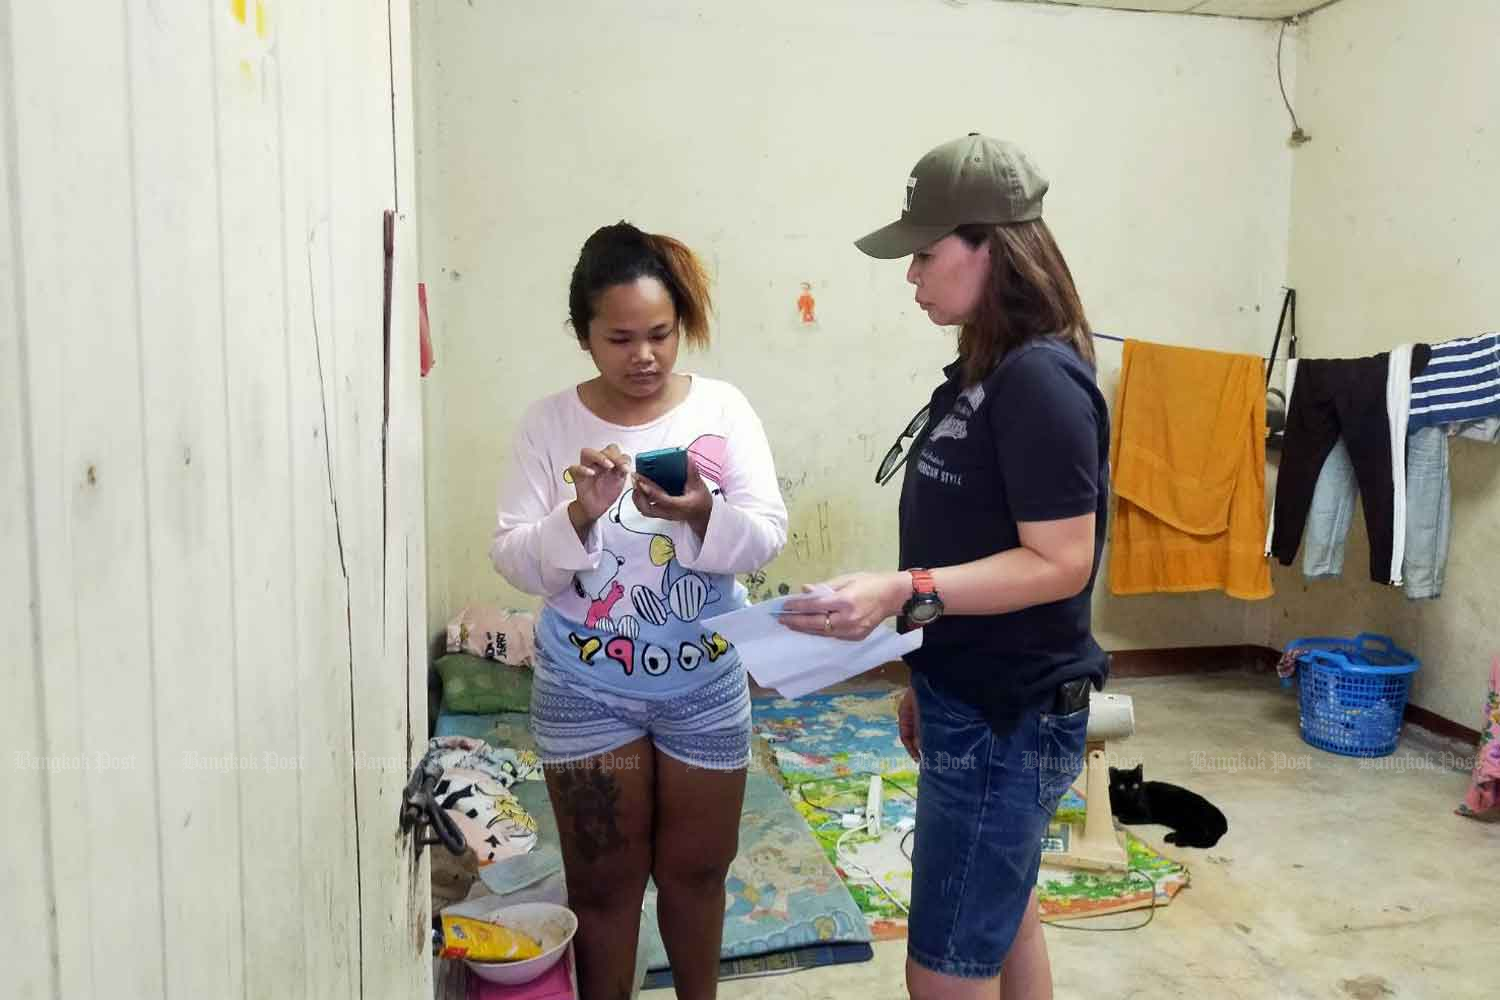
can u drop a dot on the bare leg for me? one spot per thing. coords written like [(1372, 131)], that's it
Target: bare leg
[(697, 836), (1027, 972), (924, 984), (604, 810)]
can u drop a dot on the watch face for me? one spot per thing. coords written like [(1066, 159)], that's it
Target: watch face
[(923, 612)]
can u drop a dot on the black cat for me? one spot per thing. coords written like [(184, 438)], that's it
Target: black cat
[(1195, 821)]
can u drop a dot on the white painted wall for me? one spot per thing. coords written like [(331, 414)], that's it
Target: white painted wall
[(1394, 240), (771, 135), (207, 551)]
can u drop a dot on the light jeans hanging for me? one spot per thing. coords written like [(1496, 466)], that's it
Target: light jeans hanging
[(1486, 429), (1429, 502)]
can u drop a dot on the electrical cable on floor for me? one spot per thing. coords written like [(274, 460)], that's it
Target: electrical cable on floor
[(850, 865), (801, 787), (838, 850), (888, 781), (802, 794), (1150, 912)]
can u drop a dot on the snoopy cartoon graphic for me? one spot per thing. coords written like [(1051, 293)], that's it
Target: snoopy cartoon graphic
[(600, 587)]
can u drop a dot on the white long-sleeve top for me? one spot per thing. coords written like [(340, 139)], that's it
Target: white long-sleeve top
[(623, 607)]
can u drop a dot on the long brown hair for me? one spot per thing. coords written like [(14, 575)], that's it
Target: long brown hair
[(621, 254), (1029, 293)]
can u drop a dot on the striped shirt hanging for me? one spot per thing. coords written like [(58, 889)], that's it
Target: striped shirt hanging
[(1461, 383)]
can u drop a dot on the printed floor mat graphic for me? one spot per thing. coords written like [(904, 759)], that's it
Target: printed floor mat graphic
[(826, 747)]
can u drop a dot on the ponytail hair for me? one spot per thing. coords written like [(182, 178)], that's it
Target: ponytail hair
[(622, 254)]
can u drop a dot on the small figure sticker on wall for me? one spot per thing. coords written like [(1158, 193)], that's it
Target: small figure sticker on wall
[(807, 305)]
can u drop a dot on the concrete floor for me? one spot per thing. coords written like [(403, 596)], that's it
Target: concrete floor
[(1338, 878)]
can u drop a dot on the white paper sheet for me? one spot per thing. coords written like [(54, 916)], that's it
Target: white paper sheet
[(794, 663)]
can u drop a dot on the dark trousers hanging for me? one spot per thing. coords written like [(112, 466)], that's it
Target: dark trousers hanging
[(1333, 398)]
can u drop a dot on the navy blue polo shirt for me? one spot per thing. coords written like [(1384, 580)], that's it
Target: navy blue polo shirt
[(1029, 443)]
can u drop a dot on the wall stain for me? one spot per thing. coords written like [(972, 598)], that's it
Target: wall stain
[(790, 487), (799, 544), (760, 588), (811, 538)]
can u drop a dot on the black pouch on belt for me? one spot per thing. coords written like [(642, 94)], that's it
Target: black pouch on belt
[(1072, 696)]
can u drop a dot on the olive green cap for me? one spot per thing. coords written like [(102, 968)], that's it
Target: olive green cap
[(975, 179)]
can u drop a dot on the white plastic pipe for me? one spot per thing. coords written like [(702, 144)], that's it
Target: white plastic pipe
[(1111, 717)]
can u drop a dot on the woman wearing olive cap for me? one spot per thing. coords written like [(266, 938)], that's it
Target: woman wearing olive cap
[(1001, 527)]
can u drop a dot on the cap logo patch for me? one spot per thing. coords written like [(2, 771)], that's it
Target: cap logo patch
[(911, 189)]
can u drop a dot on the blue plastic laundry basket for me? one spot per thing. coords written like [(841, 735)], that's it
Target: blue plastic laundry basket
[(1352, 692)]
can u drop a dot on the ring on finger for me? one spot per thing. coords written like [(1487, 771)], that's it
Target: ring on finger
[(828, 621)]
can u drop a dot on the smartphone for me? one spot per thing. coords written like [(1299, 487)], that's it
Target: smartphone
[(666, 467)]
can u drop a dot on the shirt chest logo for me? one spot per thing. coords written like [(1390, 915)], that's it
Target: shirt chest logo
[(955, 425), (932, 465)]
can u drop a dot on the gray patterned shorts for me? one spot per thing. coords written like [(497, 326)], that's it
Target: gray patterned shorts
[(708, 727)]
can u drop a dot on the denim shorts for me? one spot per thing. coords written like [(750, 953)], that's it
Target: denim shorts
[(708, 727), (984, 801)]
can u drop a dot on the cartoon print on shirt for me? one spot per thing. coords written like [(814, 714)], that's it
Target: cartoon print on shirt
[(709, 453), (682, 598), (654, 659), (661, 549), (682, 594), (622, 651), (588, 647), (600, 586)]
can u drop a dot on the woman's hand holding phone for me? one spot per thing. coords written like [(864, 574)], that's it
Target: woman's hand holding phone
[(693, 507)]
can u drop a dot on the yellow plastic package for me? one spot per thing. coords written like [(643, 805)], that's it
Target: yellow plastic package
[(478, 941)]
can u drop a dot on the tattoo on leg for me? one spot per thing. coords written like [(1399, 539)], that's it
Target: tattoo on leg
[(591, 800)]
